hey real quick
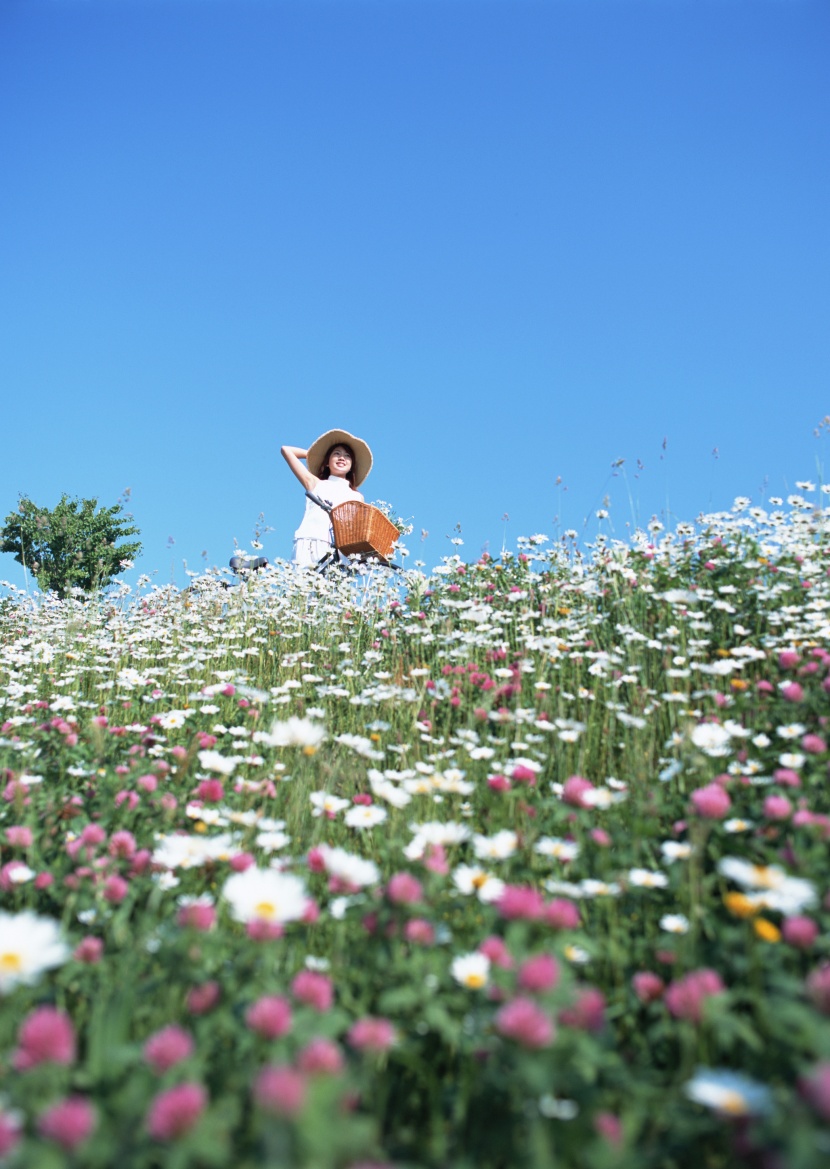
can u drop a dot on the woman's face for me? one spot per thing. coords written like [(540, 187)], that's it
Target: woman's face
[(340, 462)]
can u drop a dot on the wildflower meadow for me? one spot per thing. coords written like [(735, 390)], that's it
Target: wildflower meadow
[(520, 862)]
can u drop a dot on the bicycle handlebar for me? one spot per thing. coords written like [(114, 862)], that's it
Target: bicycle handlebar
[(324, 504)]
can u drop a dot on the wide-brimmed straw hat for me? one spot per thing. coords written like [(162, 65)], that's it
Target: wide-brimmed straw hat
[(321, 446)]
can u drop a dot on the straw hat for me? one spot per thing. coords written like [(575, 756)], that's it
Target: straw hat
[(322, 445)]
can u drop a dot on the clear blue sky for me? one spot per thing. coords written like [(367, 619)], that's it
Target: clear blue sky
[(504, 242)]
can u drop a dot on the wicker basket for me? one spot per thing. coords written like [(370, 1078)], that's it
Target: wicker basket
[(360, 529)]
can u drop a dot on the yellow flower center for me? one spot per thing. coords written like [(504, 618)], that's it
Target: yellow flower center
[(733, 1103), (763, 876), (10, 963), (266, 910), (475, 981), (479, 880), (309, 750)]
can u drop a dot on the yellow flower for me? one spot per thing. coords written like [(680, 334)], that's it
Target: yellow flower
[(739, 905), (766, 931), (738, 684)]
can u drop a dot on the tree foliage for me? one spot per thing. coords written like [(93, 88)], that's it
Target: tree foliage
[(73, 546)]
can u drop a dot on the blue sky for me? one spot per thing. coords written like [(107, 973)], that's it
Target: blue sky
[(508, 243)]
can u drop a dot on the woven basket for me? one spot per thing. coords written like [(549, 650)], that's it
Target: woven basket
[(360, 529)]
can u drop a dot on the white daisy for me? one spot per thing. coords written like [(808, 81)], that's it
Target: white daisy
[(360, 745), (212, 816), (593, 888), (266, 895), (728, 1092), (553, 846), (362, 816), (29, 945), (18, 873), (790, 731), (324, 803), (386, 790), (469, 879), (221, 764), (647, 879), (272, 841), (498, 847), (675, 850), (295, 732), (180, 851), (171, 720), (471, 970), (602, 797), (352, 870), (434, 832), (712, 739), (777, 890)]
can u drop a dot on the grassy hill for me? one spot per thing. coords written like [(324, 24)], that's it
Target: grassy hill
[(522, 862)]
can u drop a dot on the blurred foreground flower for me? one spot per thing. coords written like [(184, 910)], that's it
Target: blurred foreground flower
[(266, 896), (69, 1122), (471, 970), (685, 996), (728, 1093), (372, 1034), (175, 1111), (28, 945), (280, 1090), (788, 895), (46, 1036), (167, 1047), (294, 732), (353, 871), (526, 1023)]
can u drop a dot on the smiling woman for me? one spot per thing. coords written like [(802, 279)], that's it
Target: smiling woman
[(335, 465)]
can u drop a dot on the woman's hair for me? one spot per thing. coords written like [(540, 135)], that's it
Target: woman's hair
[(325, 473)]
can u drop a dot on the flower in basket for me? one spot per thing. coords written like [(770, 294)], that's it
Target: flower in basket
[(403, 526)]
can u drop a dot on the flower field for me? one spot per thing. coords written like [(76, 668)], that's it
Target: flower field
[(517, 863)]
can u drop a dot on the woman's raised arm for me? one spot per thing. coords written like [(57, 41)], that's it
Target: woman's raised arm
[(292, 456)]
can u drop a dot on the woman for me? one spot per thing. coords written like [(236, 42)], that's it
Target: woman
[(336, 464)]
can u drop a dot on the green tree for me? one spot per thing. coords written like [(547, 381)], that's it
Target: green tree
[(73, 546)]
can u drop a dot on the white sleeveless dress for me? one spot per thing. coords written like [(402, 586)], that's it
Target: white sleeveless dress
[(314, 537)]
